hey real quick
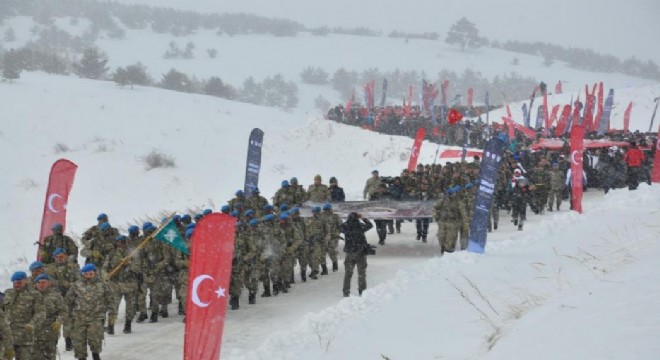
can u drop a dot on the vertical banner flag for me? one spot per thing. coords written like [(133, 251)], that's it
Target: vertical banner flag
[(540, 118), (599, 108), (546, 113), (655, 173), (417, 146), (490, 165), (466, 137), (349, 104), (527, 120), (553, 117), (589, 110), (563, 121), (558, 87), (487, 102), (60, 181), (655, 110), (208, 286), (607, 111), (253, 161), (384, 96), (524, 110), (577, 146), (509, 123), (626, 117)]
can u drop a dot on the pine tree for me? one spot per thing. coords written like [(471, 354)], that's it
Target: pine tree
[(92, 64), (11, 69), (176, 80), (252, 92), (216, 87), (465, 34)]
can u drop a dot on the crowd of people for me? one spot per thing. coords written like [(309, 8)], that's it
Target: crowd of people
[(58, 298)]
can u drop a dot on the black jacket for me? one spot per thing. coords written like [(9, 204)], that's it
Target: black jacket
[(354, 230), (337, 194)]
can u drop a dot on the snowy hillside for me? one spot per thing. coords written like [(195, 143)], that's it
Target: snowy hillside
[(568, 287)]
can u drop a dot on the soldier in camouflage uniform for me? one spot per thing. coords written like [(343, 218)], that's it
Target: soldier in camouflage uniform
[(238, 199), (256, 202), (269, 234), (252, 259), (87, 301), (100, 246), (63, 274), (556, 186), (237, 267), (24, 309), (297, 192), (36, 269), (182, 262), (156, 258), (469, 197), (94, 231), (285, 250), (300, 236), (334, 231), (284, 195), (371, 185), (317, 230), (540, 178), (6, 339), (57, 240), (318, 192), (48, 332), (134, 240), (450, 214), (124, 283)]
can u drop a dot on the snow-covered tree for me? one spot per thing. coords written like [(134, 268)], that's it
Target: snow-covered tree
[(465, 34), (11, 66), (176, 80), (92, 65)]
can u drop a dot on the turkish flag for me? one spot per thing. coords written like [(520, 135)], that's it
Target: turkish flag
[(626, 117), (212, 248), (454, 116), (577, 146), (59, 184), (417, 146)]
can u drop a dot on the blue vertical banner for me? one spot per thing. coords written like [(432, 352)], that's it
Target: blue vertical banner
[(524, 110), (490, 165), (540, 118), (253, 161), (384, 96), (607, 111)]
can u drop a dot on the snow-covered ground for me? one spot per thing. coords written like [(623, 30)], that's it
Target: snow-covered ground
[(568, 287)]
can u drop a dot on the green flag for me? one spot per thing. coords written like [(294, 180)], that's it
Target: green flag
[(170, 235)]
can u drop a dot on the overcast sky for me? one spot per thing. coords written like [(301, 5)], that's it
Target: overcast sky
[(617, 27)]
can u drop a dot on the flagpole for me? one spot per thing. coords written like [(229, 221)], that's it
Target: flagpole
[(138, 248)]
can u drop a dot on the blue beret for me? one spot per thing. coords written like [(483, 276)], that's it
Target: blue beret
[(239, 192), (225, 208), (234, 213), (284, 216), (57, 226), (327, 206), (36, 265), (42, 277), (316, 209), (104, 226), (295, 210), (151, 228), (58, 251), (253, 222), (101, 216), (133, 229), (207, 211), (146, 225), (88, 267), (284, 207), (268, 217), (120, 238), (19, 275), (248, 212), (268, 207), (186, 217), (189, 232), (285, 183)]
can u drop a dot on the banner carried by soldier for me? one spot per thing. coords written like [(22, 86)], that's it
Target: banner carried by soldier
[(208, 286), (384, 209), (169, 234), (490, 165), (253, 161), (60, 182), (417, 146)]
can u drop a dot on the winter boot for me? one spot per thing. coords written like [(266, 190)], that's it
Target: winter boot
[(233, 301), (284, 287), (335, 266), (520, 226), (347, 293), (495, 225), (313, 275), (181, 308), (163, 311), (303, 276), (292, 280), (110, 329), (424, 238), (325, 270), (515, 221), (360, 292), (127, 327), (266, 292), (276, 289), (96, 356), (142, 317), (69, 344), (154, 317), (252, 298)]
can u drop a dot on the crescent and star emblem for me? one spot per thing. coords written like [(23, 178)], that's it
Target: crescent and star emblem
[(51, 198), (573, 154), (220, 292)]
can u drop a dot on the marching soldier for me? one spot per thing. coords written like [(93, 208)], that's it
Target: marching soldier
[(24, 309)]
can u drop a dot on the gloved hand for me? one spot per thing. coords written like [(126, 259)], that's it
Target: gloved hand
[(97, 254), (9, 353), (29, 328), (43, 254), (56, 326)]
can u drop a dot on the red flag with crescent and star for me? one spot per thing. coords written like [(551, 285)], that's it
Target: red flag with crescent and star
[(417, 146), (577, 146), (212, 248), (60, 181)]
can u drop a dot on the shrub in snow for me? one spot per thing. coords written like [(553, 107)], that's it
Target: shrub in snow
[(156, 159)]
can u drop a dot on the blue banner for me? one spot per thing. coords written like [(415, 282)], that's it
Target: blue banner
[(490, 165), (253, 161), (607, 110), (524, 110), (529, 113), (540, 118), (382, 99)]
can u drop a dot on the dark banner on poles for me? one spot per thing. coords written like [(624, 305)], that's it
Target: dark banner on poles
[(60, 182), (253, 161), (604, 122), (208, 286), (490, 165)]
